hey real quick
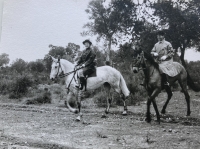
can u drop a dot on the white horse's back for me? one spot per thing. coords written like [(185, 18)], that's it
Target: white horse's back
[(110, 75)]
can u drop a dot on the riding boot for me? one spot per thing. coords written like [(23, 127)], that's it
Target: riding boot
[(82, 82), (78, 85), (164, 79)]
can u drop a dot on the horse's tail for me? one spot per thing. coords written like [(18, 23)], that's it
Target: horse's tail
[(191, 84), (124, 87)]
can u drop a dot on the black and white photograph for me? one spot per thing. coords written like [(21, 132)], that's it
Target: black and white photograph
[(100, 74)]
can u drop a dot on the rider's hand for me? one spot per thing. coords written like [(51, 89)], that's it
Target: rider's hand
[(163, 57), (83, 65), (154, 54)]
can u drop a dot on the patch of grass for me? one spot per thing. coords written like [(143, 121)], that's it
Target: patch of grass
[(99, 134), (44, 97)]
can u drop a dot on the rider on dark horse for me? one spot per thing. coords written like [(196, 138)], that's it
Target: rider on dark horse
[(163, 52), (87, 62)]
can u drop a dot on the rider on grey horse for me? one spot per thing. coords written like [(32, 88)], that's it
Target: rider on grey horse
[(164, 52), (87, 62)]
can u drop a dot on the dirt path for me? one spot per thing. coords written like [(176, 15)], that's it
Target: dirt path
[(51, 126)]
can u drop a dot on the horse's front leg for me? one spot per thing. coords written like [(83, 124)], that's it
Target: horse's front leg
[(69, 96), (152, 99), (79, 105)]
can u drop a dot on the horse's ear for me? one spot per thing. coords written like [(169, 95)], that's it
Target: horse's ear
[(142, 53), (53, 59), (58, 58)]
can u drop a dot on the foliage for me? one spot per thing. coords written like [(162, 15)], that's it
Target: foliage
[(100, 56), (20, 87), (37, 66), (110, 21), (45, 97), (4, 59), (19, 65), (183, 21), (56, 51), (194, 70)]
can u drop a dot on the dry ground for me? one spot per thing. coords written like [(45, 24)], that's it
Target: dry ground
[(53, 126)]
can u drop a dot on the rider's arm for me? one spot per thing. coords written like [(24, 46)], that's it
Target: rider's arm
[(170, 51), (153, 51), (80, 61), (91, 58)]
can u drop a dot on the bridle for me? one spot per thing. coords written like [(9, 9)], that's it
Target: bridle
[(141, 60), (144, 67), (62, 74), (59, 67)]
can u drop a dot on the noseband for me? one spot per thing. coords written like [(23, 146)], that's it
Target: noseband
[(59, 67), (142, 59)]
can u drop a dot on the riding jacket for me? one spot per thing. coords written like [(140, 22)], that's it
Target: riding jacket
[(88, 58), (167, 66), (163, 48)]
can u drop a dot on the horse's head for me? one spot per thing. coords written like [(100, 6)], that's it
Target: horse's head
[(143, 60), (138, 59), (56, 68)]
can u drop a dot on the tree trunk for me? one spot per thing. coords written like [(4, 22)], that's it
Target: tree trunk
[(190, 81), (108, 62), (182, 56)]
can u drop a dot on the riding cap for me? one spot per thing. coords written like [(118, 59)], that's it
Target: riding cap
[(88, 41), (161, 33)]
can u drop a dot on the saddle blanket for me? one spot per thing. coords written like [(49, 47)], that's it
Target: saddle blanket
[(170, 68)]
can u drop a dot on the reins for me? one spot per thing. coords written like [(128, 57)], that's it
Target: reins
[(66, 74)]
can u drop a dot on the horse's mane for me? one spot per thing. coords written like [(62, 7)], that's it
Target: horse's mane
[(151, 60)]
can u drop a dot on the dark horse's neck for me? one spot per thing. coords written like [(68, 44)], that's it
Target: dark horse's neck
[(149, 67)]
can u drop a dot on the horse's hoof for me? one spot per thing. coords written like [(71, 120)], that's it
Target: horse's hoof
[(158, 121), (78, 119), (103, 116), (106, 111), (76, 111), (188, 113), (163, 111), (124, 113), (147, 120)]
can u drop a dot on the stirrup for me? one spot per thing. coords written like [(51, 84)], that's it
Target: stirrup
[(77, 86), (166, 84), (142, 84)]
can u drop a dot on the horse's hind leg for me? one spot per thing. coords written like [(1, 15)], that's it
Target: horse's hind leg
[(183, 85), (123, 98), (125, 105), (79, 105), (169, 93), (108, 96)]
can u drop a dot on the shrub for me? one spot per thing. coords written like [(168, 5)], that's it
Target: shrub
[(20, 87), (4, 86), (44, 97)]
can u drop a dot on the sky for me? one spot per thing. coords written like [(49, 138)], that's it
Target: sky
[(30, 26)]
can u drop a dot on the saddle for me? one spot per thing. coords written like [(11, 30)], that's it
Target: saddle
[(88, 75)]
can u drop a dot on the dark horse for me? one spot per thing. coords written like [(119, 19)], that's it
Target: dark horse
[(153, 82)]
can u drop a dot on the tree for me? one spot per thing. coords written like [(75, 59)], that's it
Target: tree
[(110, 21), (19, 65), (37, 66), (4, 59), (183, 19), (72, 51), (56, 51), (100, 56)]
